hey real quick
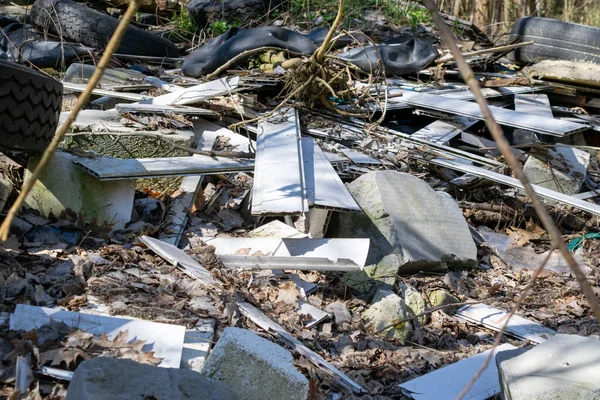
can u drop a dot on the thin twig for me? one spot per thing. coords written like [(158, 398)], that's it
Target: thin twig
[(450, 57), (504, 147), (500, 334), (113, 44)]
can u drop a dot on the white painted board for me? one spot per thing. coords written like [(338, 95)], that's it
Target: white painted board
[(165, 340), (449, 381)]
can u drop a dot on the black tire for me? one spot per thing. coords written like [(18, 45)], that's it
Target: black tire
[(30, 104), (555, 40), (229, 11), (78, 23)]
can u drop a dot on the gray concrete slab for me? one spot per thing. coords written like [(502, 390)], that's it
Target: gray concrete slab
[(104, 378), (404, 216), (563, 367)]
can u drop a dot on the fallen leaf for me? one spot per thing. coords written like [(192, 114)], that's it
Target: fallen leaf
[(69, 356), (288, 293)]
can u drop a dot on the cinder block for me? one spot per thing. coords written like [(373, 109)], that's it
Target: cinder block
[(63, 185), (255, 368)]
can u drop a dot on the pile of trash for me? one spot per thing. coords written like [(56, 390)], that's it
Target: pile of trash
[(208, 230)]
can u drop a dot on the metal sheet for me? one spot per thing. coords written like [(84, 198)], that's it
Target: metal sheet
[(323, 185), (279, 186), (79, 88), (398, 103), (494, 318), (107, 168), (317, 315), (513, 182), (273, 263), (516, 119), (219, 87), (449, 381), (165, 340), (176, 257), (443, 131), (328, 250), (158, 109), (534, 104), (208, 132)]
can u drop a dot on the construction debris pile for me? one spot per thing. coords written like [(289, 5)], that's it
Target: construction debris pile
[(216, 239)]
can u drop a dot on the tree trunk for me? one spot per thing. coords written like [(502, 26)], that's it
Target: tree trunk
[(481, 14), (456, 8)]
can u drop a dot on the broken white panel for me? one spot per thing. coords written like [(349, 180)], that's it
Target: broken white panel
[(161, 109), (279, 186), (80, 88), (534, 104), (303, 286), (176, 256), (108, 168), (277, 229), (197, 344), (352, 249), (274, 263), (323, 185), (182, 204), (317, 315), (549, 126), (194, 94), (299, 254), (449, 381), (443, 131), (208, 132), (359, 158), (165, 340), (494, 318)]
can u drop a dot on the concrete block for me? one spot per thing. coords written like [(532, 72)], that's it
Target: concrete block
[(62, 185), (197, 344), (562, 169), (255, 368), (386, 308), (403, 216), (563, 367), (104, 378)]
